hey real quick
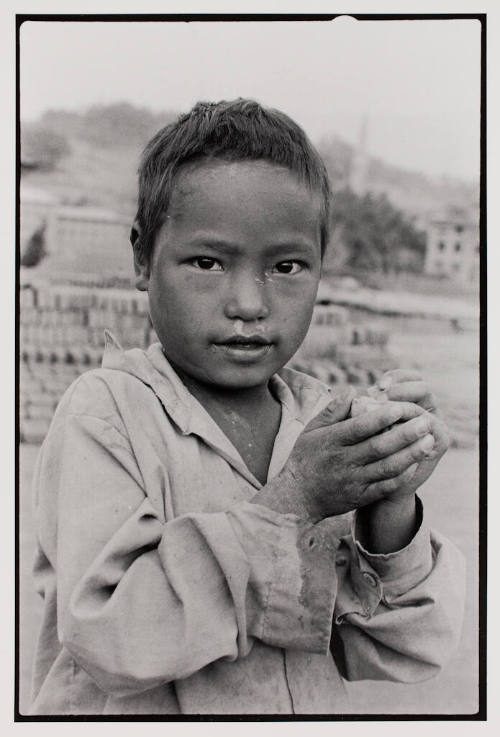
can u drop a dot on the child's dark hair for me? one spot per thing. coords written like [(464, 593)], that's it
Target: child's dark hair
[(237, 130)]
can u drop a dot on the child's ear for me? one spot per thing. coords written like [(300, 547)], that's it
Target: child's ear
[(141, 261)]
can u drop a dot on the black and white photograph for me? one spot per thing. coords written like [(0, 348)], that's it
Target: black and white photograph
[(251, 255)]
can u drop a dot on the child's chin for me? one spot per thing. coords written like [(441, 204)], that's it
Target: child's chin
[(244, 378)]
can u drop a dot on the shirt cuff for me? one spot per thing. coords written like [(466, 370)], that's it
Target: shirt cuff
[(376, 577), (400, 571), (298, 561)]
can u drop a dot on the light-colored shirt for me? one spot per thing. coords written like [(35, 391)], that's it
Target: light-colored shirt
[(167, 591)]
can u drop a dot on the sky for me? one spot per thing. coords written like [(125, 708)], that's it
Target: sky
[(417, 83)]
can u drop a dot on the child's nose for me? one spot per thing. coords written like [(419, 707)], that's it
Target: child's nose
[(247, 299)]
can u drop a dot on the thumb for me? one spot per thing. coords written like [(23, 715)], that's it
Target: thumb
[(338, 410)]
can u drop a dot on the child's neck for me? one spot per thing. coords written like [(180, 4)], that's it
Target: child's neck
[(249, 417), (244, 401)]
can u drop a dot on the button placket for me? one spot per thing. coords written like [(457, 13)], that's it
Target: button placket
[(372, 595), (370, 578)]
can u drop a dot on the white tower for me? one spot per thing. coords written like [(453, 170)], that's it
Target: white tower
[(358, 178)]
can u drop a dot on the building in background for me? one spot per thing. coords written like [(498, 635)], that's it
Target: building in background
[(90, 239), (37, 208), (78, 239), (452, 248)]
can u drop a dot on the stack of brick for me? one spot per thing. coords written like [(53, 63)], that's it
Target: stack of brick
[(62, 335)]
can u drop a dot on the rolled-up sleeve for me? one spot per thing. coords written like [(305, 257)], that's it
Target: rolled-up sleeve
[(399, 615), (143, 600)]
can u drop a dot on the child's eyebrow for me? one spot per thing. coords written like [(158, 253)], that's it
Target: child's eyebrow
[(294, 245), (219, 246)]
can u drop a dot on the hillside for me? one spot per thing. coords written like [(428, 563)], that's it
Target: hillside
[(413, 192), (105, 143), (378, 227), (92, 175), (102, 146)]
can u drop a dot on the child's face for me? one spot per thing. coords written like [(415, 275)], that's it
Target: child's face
[(234, 271)]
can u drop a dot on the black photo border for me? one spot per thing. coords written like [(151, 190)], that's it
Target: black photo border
[(480, 715)]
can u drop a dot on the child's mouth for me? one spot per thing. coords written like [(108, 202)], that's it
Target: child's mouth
[(249, 348)]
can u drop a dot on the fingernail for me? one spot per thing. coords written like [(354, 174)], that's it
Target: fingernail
[(422, 426), (411, 471), (384, 383), (431, 454), (427, 443)]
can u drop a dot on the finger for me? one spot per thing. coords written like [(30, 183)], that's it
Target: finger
[(411, 391), (426, 467), (397, 438), (441, 437), (397, 463), (371, 423), (338, 410), (396, 376), (383, 489)]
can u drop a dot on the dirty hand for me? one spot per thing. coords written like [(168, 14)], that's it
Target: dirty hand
[(389, 524), (340, 464), (426, 466), (406, 385)]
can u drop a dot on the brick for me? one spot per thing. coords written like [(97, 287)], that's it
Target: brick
[(42, 412), (33, 431)]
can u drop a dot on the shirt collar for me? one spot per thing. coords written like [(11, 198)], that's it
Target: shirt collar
[(301, 398)]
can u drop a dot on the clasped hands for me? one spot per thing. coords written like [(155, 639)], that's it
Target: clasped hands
[(342, 462)]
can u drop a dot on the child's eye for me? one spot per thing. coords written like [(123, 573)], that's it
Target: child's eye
[(206, 263), (288, 267)]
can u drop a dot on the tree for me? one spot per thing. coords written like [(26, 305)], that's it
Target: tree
[(35, 250), (121, 124), (376, 235), (42, 146)]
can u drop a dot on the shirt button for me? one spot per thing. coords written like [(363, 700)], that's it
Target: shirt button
[(370, 579), (341, 561)]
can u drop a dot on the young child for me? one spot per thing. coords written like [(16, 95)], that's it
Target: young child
[(192, 551)]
